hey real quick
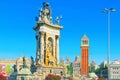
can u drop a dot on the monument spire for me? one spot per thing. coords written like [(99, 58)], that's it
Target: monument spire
[(47, 38)]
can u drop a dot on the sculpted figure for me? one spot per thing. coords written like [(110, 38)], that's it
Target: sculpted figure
[(47, 10), (68, 59)]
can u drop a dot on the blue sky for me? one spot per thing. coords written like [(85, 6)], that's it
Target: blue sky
[(17, 17)]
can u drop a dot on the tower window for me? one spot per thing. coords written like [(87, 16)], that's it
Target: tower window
[(85, 42)]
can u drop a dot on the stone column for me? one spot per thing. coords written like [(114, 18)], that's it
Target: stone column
[(37, 48), (54, 46), (58, 48), (42, 46)]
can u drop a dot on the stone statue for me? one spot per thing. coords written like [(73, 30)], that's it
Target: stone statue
[(32, 60), (45, 13), (15, 68), (32, 67), (24, 63), (50, 47), (41, 14), (46, 5), (50, 56), (58, 20), (47, 10), (68, 59)]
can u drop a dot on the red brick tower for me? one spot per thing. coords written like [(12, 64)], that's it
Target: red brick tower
[(84, 55)]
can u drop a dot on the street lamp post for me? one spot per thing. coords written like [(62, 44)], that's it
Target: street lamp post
[(108, 11)]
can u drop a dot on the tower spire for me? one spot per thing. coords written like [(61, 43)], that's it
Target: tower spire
[(84, 55)]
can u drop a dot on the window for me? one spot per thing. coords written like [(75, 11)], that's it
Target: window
[(22, 78)]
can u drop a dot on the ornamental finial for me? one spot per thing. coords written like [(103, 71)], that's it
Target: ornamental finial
[(58, 19)]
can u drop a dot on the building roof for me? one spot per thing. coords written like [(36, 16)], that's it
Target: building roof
[(116, 62), (92, 75), (77, 58), (24, 71), (84, 37)]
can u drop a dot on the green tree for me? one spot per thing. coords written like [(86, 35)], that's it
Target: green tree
[(69, 70), (8, 69), (105, 67), (97, 70)]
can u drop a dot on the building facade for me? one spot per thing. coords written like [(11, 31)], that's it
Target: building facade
[(114, 70), (6, 62), (76, 67)]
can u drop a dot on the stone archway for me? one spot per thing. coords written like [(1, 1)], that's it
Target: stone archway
[(50, 60)]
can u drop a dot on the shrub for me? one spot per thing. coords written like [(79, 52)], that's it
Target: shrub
[(2, 77), (101, 79), (53, 77)]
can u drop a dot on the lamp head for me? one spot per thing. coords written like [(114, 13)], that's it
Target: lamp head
[(105, 10), (112, 9)]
